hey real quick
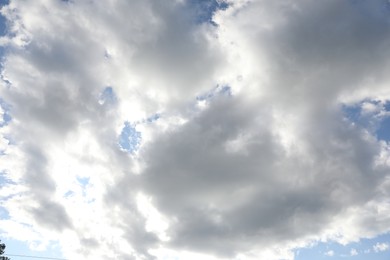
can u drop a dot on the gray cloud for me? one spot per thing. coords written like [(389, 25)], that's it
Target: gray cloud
[(226, 201), (52, 215), (48, 213)]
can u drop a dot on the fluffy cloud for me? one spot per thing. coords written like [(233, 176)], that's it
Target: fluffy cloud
[(244, 148), (379, 247)]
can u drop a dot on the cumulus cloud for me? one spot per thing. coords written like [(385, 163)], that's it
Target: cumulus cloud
[(379, 247), (166, 129)]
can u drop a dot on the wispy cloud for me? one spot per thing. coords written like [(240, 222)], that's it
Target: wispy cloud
[(329, 253), (353, 252)]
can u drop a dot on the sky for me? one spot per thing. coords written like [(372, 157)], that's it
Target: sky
[(185, 129)]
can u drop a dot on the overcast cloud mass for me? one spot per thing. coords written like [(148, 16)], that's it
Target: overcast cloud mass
[(171, 129)]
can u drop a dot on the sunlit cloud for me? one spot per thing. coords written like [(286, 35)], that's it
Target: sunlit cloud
[(195, 129)]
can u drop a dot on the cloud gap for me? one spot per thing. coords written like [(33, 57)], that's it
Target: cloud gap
[(373, 115), (130, 138), (205, 9)]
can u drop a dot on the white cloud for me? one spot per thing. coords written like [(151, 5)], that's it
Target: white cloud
[(329, 253), (369, 108), (269, 167), (353, 252), (380, 247)]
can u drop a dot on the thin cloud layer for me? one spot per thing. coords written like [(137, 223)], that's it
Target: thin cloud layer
[(146, 129)]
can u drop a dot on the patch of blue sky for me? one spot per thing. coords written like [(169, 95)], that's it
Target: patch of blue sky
[(3, 20), (107, 96), (130, 138), (3, 31), (383, 132), (4, 179), (16, 247), (364, 249), (3, 26), (227, 90), (6, 117), (69, 193), (352, 113), (4, 2), (153, 118), (205, 9), (217, 91), (3, 213), (83, 181), (376, 121)]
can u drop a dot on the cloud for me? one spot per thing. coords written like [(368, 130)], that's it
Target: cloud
[(329, 253), (380, 247), (216, 135)]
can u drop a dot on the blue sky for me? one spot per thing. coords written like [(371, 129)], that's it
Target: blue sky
[(14, 247), (365, 249), (189, 129)]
